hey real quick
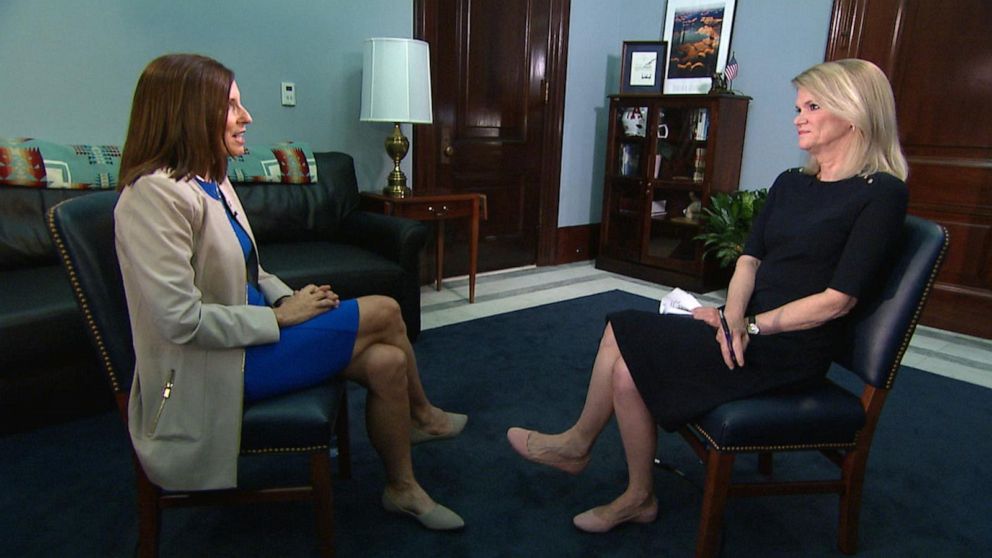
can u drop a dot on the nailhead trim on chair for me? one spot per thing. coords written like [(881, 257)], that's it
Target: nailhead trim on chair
[(783, 447), (98, 339), (306, 449), (919, 310), (888, 383), (81, 298)]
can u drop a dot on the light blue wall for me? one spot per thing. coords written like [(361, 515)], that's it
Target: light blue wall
[(773, 39), (596, 34), (69, 67), (69, 72)]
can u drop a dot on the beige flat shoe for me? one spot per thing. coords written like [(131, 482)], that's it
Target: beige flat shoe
[(458, 421), (590, 522), (439, 518), (519, 438)]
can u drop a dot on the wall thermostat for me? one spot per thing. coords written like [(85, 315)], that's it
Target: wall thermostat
[(288, 94)]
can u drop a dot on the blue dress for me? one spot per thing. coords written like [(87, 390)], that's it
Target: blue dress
[(306, 354)]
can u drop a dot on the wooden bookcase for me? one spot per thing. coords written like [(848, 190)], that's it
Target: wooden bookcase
[(659, 176)]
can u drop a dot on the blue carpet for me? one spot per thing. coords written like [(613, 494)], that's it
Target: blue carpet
[(67, 490)]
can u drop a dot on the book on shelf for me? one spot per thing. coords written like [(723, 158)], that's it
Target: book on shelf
[(699, 165), (630, 156), (700, 124), (658, 209)]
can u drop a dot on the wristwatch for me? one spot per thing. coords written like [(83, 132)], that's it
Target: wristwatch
[(752, 326)]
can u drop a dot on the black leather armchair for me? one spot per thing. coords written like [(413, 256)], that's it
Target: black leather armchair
[(828, 419), (303, 422), (315, 233)]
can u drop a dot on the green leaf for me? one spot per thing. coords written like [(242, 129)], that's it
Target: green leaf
[(727, 223)]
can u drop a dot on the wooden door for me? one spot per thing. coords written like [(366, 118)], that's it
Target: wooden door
[(498, 85), (938, 57)]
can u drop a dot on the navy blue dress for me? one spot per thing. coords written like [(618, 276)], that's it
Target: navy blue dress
[(810, 236), (306, 354)]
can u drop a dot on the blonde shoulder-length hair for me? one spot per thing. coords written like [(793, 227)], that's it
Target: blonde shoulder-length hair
[(858, 91)]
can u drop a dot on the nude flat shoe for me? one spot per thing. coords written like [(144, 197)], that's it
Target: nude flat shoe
[(458, 421), (519, 438), (589, 522), (439, 518)]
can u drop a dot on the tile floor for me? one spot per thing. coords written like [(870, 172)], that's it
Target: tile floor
[(938, 351)]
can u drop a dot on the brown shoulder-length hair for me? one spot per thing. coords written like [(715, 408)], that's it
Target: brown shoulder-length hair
[(178, 118)]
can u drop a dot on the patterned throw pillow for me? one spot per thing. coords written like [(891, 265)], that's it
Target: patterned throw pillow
[(289, 162), (35, 163)]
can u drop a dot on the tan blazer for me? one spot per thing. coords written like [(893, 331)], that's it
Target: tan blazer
[(184, 277)]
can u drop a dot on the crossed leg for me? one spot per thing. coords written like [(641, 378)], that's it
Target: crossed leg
[(383, 361), (611, 390)]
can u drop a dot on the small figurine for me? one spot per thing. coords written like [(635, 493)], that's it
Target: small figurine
[(694, 208), (718, 84)]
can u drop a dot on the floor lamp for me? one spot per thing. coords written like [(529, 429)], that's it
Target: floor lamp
[(396, 87)]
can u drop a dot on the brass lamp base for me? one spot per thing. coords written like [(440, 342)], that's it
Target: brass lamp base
[(396, 147)]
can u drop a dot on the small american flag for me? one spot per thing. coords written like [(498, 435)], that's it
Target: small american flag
[(730, 72)]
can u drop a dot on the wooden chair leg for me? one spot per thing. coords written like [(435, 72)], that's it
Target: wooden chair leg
[(850, 501), (718, 469), (765, 465), (320, 472), (343, 437), (149, 514)]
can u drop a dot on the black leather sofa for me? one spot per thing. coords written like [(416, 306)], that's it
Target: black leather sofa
[(306, 233)]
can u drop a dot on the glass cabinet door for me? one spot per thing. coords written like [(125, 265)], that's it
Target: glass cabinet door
[(631, 157), (680, 144), (678, 184), (674, 225), (625, 225), (665, 156)]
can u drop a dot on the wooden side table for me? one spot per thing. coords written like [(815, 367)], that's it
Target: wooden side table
[(438, 208)]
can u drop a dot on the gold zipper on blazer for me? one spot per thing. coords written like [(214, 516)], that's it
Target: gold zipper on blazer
[(166, 394)]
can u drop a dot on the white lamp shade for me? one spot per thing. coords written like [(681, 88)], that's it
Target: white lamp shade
[(396, 81)]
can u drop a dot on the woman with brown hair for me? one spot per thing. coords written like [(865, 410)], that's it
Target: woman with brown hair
[(213, 329)]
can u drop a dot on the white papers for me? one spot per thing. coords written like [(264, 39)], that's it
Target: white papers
[(678, 302)]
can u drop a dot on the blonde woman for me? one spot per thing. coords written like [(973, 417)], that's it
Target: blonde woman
[(814, 250)]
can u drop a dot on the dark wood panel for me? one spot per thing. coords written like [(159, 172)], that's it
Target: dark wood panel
[(494, 106), (967, 186), (577, 243), (945, 310), (726, 167), (714, 278), (939, 75), (851, 18), (936, 57), (967, 262), (497, 77), (506, 196)]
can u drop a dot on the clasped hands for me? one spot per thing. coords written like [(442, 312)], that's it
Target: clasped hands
[(738, 334), (310, 301)]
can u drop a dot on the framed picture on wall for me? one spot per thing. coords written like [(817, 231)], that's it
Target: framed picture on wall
[(698, 35), (643, 67)]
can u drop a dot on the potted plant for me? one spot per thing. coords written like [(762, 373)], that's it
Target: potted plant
[(727, 222)]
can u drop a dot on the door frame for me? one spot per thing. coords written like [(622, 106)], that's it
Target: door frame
[(424, 137)]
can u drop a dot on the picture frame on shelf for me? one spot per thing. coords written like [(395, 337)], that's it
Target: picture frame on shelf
[(698, 34), (642, 69)]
